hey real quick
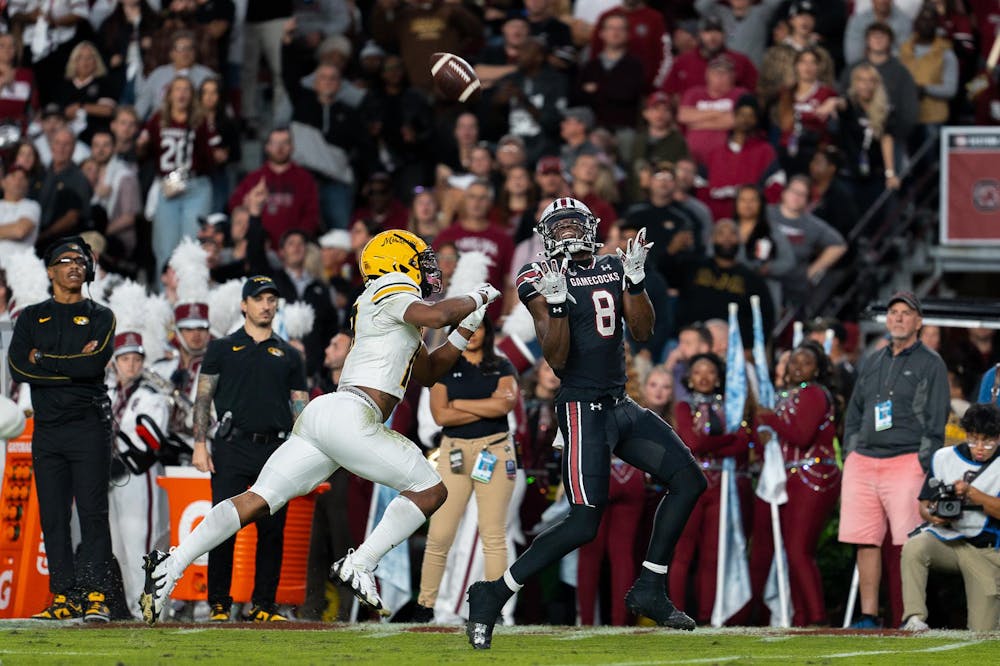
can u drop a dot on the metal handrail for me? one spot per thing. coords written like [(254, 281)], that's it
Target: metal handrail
[(876, 253)]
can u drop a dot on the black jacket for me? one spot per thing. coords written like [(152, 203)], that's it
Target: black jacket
[(318, 296), (66, 382)]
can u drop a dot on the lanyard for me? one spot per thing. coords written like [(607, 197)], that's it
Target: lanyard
[(887, 384)]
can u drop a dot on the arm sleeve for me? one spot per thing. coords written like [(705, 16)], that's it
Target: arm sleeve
[(525, 289), (212, 365), (853, 415), (394, 304), (296, 370), (986, 385), (21, 369), (799, 429), (936, 412), (86, 365), (949, 78)]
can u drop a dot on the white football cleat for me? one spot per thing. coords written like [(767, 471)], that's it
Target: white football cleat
[(914, 624), (360, 580), (158, 586)]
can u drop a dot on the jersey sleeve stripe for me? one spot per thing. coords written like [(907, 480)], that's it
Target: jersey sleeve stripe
[(522, 277), (391, 289)]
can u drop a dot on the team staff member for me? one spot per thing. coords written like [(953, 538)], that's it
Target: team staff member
[(258, 386), (61, 347), (471, 403)]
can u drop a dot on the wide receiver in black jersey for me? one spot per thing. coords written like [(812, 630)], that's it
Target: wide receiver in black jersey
[(579, 301)]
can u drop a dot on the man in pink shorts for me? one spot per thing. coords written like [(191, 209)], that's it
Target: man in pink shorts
[(894, 423)]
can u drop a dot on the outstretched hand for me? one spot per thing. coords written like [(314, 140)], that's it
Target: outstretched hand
[(550, 282), (634, 257)]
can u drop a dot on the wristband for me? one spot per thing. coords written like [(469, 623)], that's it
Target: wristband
[(457, 340), (558, 310), (478, 297), (637, 288)]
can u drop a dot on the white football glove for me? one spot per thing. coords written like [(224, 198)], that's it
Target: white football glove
[(551, 281), (634, 257), (484, 294), (474, 320)]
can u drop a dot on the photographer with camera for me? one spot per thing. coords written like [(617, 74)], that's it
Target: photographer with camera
[(960, 502)]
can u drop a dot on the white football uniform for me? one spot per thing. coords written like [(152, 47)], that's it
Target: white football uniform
[(137, 506), (345, 429)]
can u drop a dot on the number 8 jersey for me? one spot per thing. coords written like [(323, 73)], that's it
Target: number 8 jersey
[(595, 366), (385, 346)]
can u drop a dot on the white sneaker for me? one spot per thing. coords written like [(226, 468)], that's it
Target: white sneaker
[(360, 580), (915, 624), (158, 586)]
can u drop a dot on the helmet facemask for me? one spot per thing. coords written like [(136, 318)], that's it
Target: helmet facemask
[(430, 274), (551, 227)]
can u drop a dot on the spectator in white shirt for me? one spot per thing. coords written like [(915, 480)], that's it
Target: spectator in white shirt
[(19, 216), (117, 192)]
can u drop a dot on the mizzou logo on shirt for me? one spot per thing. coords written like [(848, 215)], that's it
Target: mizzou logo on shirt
[(274, 351), (81, 320)]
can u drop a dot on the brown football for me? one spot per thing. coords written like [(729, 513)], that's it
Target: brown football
[(454, 79)]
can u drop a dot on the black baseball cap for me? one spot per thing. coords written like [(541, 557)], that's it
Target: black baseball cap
[(801, 7), (907, 297), (711, 22), (257, 285)]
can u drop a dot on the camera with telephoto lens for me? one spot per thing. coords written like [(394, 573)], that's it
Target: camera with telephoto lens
[(945, 503)]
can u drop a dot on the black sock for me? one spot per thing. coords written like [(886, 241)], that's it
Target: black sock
[(500, 589)]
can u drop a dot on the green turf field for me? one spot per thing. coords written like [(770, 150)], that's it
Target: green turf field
[(27, 642)]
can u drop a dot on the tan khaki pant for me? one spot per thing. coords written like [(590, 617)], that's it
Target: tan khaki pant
[(980, 568), (491, 500)]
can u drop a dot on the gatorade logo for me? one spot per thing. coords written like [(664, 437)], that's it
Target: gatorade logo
[(6, 587), (192, 515)]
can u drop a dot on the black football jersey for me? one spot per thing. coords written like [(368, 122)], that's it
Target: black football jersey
[(595, 366)]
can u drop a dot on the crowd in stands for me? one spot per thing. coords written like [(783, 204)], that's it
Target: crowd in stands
[(747, 137)]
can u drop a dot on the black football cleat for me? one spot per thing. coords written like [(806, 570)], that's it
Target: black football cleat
[(651, 600), (484, 609)]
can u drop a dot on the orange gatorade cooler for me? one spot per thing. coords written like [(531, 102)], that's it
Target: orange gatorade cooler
[(189, 493), (24, 569)]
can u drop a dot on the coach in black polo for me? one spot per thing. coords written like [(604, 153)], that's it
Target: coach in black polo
[(258, 385)]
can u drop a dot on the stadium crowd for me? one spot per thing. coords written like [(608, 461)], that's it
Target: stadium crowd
[(748, 138)]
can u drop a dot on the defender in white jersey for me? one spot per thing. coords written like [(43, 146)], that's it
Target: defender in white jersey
[(346, 428)]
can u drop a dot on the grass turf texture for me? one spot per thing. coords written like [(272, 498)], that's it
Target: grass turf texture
[(35, 642)]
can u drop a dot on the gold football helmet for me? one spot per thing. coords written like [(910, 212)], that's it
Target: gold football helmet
[(398, 251)]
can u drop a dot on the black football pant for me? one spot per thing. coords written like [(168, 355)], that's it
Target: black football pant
[(72, 462), (592, 431), (238, 462)]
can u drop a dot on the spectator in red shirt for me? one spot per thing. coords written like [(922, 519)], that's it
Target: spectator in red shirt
[(382, 208), (689, 68), (706, 112), (803, 112), (474, 233), (611, 81), (584, 173), (292, 200), (746, 157), (646, 29), (18, 94)]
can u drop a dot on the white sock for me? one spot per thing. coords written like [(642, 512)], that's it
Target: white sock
[(512, 584), (655, 568), (222, 522), (401, 519)]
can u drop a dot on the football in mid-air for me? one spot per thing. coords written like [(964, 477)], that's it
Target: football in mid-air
[(454, 79)]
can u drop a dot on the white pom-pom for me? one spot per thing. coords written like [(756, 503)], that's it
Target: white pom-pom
[(12, 419), (190, 263), (224, 312), (158, 324), (128, 302), (299, 319), (520, 323), (27, 278), (471, 271)]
